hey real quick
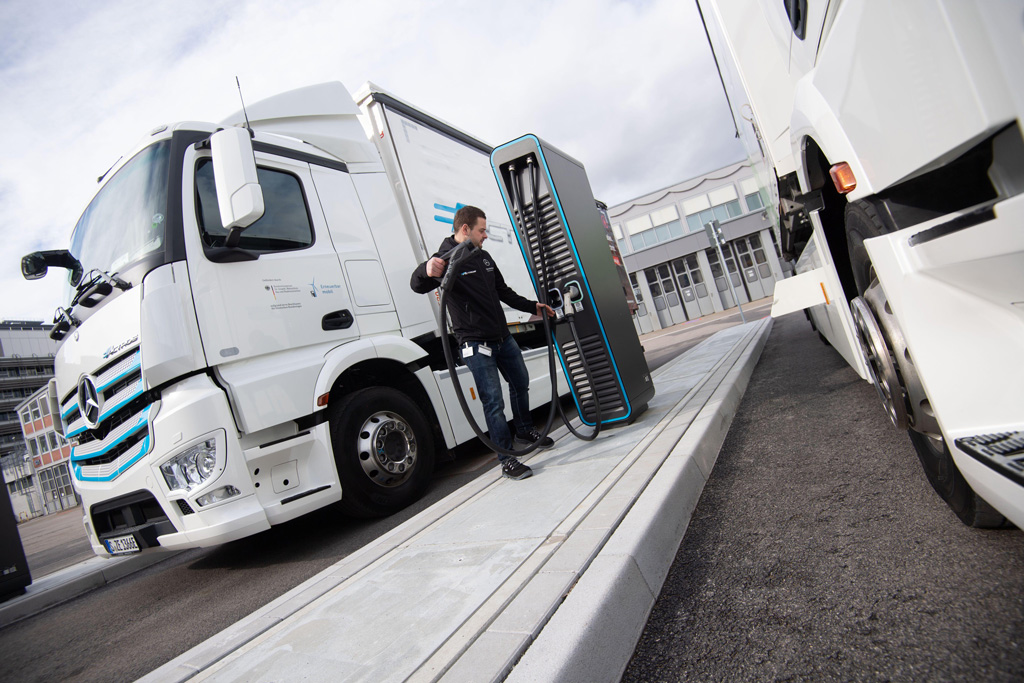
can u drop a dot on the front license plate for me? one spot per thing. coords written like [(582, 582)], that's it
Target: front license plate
[(122, 545)]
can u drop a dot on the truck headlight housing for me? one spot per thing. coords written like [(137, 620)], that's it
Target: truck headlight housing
[(191, 467)]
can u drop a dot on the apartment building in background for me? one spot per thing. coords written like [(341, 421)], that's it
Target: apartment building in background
[(26, 365)]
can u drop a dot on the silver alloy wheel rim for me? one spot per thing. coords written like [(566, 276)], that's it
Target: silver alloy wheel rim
[(386, 448), (880, 365)]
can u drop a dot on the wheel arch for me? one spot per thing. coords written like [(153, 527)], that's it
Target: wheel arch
[(380, 362), (815, 167), (819, 141)]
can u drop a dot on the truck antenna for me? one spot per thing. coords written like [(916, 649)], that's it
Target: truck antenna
[(244, 113)]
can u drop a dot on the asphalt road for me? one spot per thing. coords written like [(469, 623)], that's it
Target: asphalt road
[(818, 550)]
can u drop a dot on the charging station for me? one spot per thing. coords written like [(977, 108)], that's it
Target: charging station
[(549, 200)]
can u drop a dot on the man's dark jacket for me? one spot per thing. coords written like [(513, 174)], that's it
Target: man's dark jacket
[(474, 301)]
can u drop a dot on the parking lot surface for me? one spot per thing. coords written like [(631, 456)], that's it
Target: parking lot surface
[(819, 551)]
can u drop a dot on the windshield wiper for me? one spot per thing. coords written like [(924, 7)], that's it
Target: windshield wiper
[(63, 321), (97, 286)]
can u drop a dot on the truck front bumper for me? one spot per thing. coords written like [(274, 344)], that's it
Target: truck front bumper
[(139, 506)]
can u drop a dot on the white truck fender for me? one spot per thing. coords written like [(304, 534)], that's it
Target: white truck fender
[(814, 118), (341, 358)]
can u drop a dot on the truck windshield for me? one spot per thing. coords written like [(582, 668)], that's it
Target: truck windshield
[(124, 223)]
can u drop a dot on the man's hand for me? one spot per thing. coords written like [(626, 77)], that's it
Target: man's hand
[(436, 266), (544, 307)]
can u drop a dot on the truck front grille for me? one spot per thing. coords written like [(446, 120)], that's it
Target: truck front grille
[(123, 432)]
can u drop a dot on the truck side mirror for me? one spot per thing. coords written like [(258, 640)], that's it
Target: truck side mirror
[(239, 195), (33, 266), (36, 264)]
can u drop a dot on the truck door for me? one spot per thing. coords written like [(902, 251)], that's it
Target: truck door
[(806, 18), (292, 295)]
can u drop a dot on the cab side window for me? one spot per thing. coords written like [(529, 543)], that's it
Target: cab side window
[(284, 226)]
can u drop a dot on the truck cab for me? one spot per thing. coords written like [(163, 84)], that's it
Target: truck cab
[(239, 344)]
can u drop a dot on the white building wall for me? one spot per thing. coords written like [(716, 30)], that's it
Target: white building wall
[(662, 226)]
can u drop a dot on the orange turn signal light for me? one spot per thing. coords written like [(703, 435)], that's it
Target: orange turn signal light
[(322, 400), (842, 177)]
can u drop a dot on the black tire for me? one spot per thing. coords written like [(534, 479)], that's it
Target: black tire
[(951, 486), (862, 222), (383, 449)]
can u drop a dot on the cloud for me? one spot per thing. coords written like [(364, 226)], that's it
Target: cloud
[(628, 88)]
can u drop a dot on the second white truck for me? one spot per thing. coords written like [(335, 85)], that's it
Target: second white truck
[(237, 353), (894, 139)]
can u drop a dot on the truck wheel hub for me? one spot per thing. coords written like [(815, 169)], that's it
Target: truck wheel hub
[(880, 363), (387, 449)]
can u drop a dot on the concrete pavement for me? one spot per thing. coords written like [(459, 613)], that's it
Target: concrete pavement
[(61, 560), (550, 578)]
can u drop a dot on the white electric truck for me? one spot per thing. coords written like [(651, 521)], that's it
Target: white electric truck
[(240, 344), (892, 136)]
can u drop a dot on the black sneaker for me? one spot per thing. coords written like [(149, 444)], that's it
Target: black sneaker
[(513, 469), (533, 437)]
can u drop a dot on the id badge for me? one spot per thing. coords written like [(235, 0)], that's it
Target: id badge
[(484, 350), (467, 351)]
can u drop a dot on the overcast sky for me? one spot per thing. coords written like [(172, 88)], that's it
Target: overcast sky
[(628, 88)]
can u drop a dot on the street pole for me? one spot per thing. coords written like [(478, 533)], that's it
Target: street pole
[(714, 231)]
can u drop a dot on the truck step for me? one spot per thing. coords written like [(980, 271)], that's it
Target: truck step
[(1003, 452)]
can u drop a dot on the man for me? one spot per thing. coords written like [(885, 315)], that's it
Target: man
[(474, 304)]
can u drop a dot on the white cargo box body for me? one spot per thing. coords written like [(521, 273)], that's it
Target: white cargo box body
[(434, 168)]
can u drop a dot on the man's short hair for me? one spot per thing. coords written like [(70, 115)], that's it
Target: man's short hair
[(467, 215)]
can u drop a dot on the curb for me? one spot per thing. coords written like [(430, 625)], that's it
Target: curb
[(70, 582), (592, 636)]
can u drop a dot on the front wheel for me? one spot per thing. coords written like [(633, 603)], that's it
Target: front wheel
[(862, 223), (893, 372), (383, 449), (951, 486)]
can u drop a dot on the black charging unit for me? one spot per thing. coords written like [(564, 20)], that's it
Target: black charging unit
[(550, 202)]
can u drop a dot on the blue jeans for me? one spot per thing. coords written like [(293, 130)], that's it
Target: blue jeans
[(507, 359)]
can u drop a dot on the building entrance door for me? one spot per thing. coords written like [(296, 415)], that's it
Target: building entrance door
[(644, 324), (720, 282), (695, 294), (756, 271), (666, 298)]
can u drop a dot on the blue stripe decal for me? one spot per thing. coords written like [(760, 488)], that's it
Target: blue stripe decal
[(77, 466), (447, 209), (142, 421), (107, 412), (132, 368), (576, 257)]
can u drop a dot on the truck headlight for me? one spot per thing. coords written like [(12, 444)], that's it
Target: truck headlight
[(191, 467)]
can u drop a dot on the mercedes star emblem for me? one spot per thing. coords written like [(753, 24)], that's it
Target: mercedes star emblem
[(89, 402)]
